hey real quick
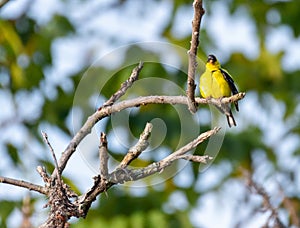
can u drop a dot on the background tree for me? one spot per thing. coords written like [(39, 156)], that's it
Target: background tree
[(44, 54)]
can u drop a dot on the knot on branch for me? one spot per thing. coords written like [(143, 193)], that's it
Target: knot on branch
[(120, 176), (61, 206)]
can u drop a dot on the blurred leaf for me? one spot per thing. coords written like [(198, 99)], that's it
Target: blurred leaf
[(6, 209), (57, 112), (156, 218), (9, 36), (289, 12), (59, 26), (17, 76), (13, 153), (237, 149)]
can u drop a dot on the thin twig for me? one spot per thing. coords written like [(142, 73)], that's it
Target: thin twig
[(125, 86), (192, 53), (45, 136), (257, 189), (191, 145), (103, 156), (196, 158), (137, 149), (23, 184), (232, 99), (42, 171)]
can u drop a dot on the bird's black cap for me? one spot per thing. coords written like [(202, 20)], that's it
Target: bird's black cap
[(211, 58)]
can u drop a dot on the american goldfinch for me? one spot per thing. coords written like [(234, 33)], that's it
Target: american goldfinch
[(216, 82)]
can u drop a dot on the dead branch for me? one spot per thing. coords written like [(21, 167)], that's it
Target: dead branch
[(3, 2), (123, 175), (103, 156), (23, 184), (125, 86), (135, 102), (288, 204), (26, 212), (102, 182), (221, 103), (257, 189), (62, 208), (196, 158), (192, 53), (137, 149), (45, 137)]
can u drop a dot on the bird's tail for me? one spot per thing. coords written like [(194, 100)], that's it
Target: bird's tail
[(225, 109)]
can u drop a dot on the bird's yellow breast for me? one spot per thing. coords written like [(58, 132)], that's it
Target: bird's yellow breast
[(213, 84)]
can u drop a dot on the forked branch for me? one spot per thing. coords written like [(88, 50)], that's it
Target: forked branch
[(123, 174)]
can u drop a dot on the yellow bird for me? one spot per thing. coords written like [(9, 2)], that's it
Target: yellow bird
[(216, 82)]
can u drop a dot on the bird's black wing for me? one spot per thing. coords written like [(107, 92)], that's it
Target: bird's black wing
[(231, 84)]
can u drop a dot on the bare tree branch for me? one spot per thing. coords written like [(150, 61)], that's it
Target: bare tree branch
[(292, 209), (135, 102), (103, 157), (121, 176), (221, 103), (23, 184), (137, 149), (45, 137), (60, 202), (125, 85), (3, 2), (196, 158), (26, 212), (42, 171), (255, 188), (193, 144), (192, 53), (101, 184), (85, 201)]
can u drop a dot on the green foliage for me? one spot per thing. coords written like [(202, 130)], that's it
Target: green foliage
[(6, 208), (13, 152), (144, 212)]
